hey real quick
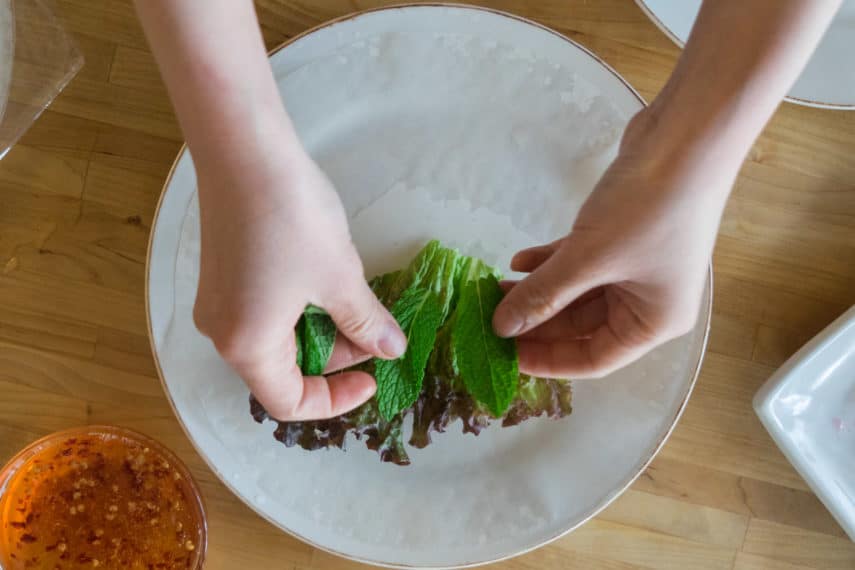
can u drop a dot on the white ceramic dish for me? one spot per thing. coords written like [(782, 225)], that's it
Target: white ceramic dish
[(827, 82), (484, 131), (808, 406), (7, 51)]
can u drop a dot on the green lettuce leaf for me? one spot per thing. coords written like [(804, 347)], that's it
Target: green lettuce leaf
[(436, 409)]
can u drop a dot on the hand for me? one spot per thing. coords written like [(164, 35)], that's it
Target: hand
[(630, 274), (274, 239)]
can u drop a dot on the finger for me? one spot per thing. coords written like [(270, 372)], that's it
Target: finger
[(623, 338), (507, 285), (272, 376), (361, 317), (329, 397), (277, 383), (579, 320), (344, 355), (593, 357), (320, 398), (541, 295), (527, 260)]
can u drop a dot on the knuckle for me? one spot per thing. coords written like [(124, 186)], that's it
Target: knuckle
[(235, 341), (285, 404), (284, 410), (230, 343), (360, 321), (642, 332), (541, 301), (359, 324), (600, 265)]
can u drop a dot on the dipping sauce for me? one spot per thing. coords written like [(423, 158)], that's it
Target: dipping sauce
[(99, 497)]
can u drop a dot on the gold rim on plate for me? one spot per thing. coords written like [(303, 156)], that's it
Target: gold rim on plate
[(642, 4)]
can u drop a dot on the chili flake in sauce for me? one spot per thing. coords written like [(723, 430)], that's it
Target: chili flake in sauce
[(100, 501)]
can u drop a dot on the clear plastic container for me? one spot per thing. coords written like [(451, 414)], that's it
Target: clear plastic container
[(37, 60)]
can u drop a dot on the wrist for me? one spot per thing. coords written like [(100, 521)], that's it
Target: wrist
[(681, 159), (257, 172), (667, 138), (679, 130), (234, 135)]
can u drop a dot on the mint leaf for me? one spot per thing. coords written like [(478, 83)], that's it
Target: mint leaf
[(435, 268), (315, 340), (298, 340), (399, 382), (488, 364)]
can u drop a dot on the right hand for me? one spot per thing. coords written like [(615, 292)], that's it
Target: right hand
[(630, 274), (274, 239)]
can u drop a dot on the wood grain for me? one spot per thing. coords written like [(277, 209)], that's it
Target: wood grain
[(77, 197)]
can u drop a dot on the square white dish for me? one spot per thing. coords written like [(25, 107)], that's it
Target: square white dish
[(808, 407)]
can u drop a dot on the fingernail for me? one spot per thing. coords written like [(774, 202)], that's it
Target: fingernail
[(393, 343), (507, 321)]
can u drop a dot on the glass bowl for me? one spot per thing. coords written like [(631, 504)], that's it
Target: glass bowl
[(100, 496)]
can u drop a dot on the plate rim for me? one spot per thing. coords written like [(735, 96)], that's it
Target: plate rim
[(642, 4), (706, 313)]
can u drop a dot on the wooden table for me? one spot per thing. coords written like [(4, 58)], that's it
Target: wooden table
[(77, 197)]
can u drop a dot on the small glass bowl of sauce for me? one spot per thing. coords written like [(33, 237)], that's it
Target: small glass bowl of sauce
[(100, 497)]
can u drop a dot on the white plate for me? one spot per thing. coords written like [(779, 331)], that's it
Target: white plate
[(828, 81), (7, 50), (808, 406), (484, 131)]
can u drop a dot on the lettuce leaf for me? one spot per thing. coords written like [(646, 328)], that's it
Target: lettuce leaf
[(454, 368), (438, 407)]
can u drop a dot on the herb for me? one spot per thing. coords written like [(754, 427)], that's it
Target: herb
[(487, 363), (435, 268), (315, 337), (399, 382), (455, 367), (421, 297)]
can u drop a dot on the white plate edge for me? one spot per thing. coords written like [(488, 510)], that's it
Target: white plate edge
[(794, 100)]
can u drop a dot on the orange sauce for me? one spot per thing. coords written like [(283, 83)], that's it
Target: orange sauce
[(100, 501)]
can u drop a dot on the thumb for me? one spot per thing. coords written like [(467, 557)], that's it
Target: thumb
[(550, 288), (361, 317)]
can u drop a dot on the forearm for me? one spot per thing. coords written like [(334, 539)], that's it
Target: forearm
[(213, 61), (738, 64)]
